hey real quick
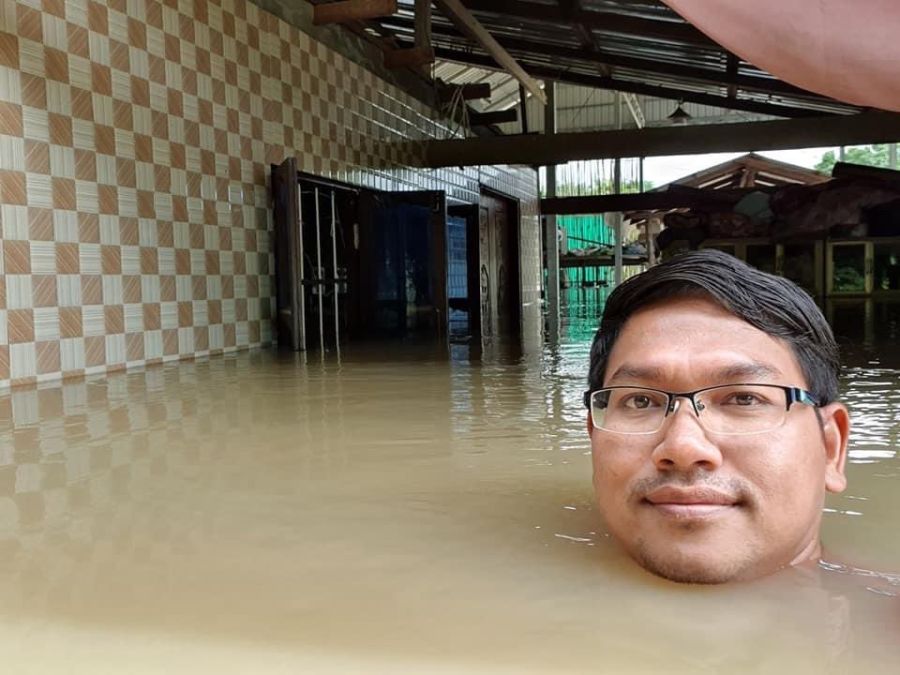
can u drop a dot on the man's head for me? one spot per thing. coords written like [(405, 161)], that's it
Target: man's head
[(728, 485)]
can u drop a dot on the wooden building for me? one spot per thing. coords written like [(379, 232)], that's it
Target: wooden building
[(835, 237)]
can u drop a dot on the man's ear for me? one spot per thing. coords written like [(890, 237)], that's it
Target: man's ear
[(835, 433), (590, 423)]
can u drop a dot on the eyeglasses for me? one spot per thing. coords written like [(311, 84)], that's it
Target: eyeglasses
[(732, 409)]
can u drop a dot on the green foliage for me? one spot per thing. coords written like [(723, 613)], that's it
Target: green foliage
[(869, 155), (600, 187), (849, 279)]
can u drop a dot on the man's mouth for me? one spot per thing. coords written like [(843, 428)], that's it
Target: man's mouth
[(690, 502)]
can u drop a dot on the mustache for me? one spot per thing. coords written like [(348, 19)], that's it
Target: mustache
[(733, 487)]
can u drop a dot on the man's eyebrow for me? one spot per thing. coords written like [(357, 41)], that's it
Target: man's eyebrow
[(730, 374), (748, 370), (630, 371)]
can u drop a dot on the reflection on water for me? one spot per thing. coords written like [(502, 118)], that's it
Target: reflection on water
[(397, 511)]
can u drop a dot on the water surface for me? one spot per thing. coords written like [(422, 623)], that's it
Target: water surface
[(425, 509)]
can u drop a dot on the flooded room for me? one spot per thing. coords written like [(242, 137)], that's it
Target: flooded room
[(449, 336)]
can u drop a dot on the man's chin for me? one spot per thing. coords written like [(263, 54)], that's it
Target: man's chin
[(690, 568)]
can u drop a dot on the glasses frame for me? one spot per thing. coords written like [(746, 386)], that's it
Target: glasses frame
[(791, 395)]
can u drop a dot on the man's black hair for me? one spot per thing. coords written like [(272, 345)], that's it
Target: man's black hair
[(770, 303)]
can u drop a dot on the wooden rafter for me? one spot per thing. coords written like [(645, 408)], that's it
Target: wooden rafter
[(411, 57), (572, 10), (352, 10)]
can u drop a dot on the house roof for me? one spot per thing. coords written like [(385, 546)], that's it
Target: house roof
[(751, 171), (742, 174)]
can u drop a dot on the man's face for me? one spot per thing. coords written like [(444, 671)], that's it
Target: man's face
[(695, 506)]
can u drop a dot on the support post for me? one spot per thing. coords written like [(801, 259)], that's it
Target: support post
[(523, 108), (551, 242), (423, 31), (617, 188), (337, 284), (318, 277)]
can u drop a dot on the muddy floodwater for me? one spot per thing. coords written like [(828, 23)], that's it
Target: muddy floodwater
[(390, 510)]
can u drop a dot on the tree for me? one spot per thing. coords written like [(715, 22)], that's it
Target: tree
[(869, 155)]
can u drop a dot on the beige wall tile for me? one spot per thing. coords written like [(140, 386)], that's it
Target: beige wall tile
[(133, 172)]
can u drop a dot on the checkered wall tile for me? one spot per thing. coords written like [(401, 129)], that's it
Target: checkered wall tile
[(135, 144)]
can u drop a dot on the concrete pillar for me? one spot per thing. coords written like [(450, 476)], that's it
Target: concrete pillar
[(551, 243)]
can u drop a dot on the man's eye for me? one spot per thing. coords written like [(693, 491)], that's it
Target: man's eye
[(745, 399), (639, 402)]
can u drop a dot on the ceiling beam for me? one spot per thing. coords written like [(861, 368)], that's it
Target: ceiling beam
[(640, 201), (468, 24), (615, 84), (850, 170), (493, 117), (468, 91), (352, 10), (540, 150)]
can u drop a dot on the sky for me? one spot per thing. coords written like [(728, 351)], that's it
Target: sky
[(662, 170)]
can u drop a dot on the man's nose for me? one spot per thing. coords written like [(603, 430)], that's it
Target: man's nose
[(684, 445)]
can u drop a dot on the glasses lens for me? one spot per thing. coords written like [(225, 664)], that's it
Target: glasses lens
[(628, 410), (742, 409)]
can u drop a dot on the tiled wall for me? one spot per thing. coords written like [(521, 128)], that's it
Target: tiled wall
[(135, 143)]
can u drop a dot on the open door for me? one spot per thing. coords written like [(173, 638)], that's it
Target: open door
[(404, 263), (290, 321), (498, 251), (323, 216)]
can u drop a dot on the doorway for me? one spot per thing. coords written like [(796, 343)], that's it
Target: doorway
[(355, 264), (498, 265), (403, 277), (315, 258)]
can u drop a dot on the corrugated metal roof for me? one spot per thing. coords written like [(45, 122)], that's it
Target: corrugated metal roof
[(593, 48), (640, 46), (581, 108)]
